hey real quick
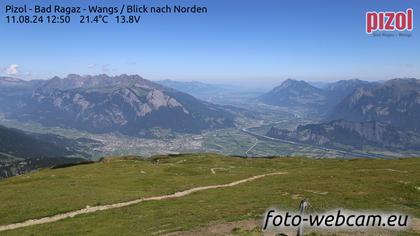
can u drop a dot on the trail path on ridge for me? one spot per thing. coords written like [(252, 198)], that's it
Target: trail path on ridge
[(87, 209)]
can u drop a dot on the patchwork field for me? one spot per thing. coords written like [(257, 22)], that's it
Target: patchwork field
[(236, 209)]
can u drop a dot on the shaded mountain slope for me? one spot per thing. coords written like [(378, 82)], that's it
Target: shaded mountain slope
[(127, 104), (396, 102), (340, 133)]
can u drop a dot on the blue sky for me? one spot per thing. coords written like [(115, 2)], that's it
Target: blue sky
[(251, 42)]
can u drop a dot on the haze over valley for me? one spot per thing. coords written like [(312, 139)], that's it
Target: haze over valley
[(101, 115)]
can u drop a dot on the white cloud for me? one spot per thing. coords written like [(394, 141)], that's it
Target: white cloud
[(12, 69), (91, 66)]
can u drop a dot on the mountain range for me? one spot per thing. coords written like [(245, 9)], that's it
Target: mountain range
[(350, 135), (356, 113), (127, 104), (15, 92), (395, 102), (292, 93), (300, 94)]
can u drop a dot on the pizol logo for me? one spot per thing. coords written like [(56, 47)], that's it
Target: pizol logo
[(389, 21)]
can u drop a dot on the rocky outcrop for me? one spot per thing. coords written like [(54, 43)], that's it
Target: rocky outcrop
[(352, 134), (127, 104), (396, 102)]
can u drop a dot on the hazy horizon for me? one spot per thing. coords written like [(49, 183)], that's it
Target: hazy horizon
[(250, 85), (256, 84)]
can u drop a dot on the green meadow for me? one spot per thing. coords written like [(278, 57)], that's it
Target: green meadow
[(357, 184)]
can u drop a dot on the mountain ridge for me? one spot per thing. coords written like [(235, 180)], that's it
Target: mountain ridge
[(128, 104), (299, 93), (342, 133), (395, 102), (21, 151), (294, 93)]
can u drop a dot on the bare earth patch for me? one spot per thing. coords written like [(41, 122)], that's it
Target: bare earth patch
[(220, 228), (227, 228)]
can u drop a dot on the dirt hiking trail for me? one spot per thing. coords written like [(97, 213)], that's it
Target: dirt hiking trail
[(87, 209)]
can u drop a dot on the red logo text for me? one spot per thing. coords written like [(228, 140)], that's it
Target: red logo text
[(389, 21)]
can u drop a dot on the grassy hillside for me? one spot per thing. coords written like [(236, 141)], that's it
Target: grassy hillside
[(389, 185)]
